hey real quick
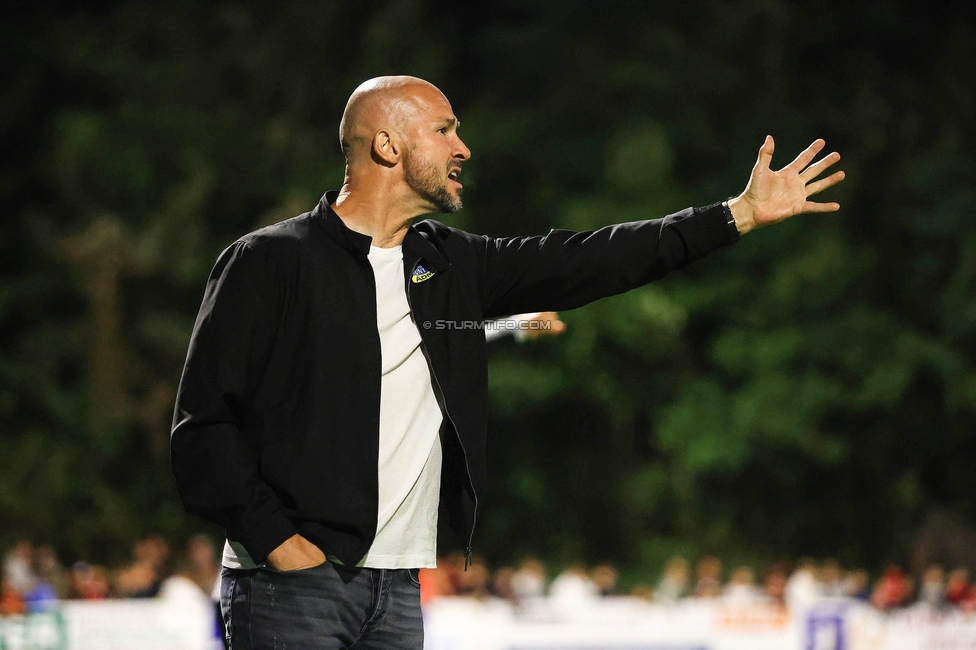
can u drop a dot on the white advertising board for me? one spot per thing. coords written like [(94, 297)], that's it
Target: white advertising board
[(468, 624)]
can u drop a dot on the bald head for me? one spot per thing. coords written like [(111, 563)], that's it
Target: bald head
[(399, 135), (383, 104)]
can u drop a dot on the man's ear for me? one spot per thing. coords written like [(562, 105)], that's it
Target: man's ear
[(386, 148)]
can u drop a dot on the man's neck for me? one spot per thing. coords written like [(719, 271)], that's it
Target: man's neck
[(382, 215)]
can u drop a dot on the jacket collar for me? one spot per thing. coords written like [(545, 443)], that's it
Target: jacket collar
[(418, 247), (415, 243), (335, 228)]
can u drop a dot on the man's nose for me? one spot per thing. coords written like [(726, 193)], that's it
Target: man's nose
[(461, 151)]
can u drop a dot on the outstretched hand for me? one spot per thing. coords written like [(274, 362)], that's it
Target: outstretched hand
[(549, 324), (771, 196)]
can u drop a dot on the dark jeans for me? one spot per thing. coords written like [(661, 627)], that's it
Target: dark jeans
[(328, 607)]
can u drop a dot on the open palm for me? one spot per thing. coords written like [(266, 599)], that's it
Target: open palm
[(773, 196)]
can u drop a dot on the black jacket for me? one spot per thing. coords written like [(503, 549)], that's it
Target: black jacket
[(276, 429)]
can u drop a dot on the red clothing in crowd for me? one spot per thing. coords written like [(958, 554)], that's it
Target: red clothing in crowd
[(892, 589), (11, 602), (958, 591)]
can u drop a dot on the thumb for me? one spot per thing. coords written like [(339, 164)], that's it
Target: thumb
[(766, 152)]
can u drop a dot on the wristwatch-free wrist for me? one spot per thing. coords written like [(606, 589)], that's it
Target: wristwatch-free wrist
[(730, 220)]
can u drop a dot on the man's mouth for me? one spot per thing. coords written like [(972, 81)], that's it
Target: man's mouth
[(453, 176)]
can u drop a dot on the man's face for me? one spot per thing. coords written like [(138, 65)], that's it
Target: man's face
[(433, 157)]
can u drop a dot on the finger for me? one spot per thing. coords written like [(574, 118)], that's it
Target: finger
[(818, 167), (824, 183), (806, 156), (810, 206), (766, 152)]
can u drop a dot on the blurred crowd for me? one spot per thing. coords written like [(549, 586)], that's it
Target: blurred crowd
[(33, 579), (795, 587)]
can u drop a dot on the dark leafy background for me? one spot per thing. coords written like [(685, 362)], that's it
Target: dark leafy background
[(810, 391)]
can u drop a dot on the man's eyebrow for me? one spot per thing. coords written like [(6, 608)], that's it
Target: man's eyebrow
[(449, 121)]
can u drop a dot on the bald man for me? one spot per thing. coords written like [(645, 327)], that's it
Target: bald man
[(335, 389)]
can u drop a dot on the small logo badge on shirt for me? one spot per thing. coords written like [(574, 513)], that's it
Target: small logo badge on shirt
[(420, 273)]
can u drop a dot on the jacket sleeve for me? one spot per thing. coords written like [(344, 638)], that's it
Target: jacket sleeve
[(215, 462), (564, 270)]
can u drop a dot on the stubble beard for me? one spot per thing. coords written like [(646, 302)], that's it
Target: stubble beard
[(425, 180)]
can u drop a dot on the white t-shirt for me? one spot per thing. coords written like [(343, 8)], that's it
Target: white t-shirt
[(410, 446), (410, 419)]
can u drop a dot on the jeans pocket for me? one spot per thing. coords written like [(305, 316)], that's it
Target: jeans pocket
[(413, 577)]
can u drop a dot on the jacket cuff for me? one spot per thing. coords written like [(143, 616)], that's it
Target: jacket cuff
[(716, 226), (265, 536)]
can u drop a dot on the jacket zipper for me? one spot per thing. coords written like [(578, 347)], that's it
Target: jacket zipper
[(447, 414)]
